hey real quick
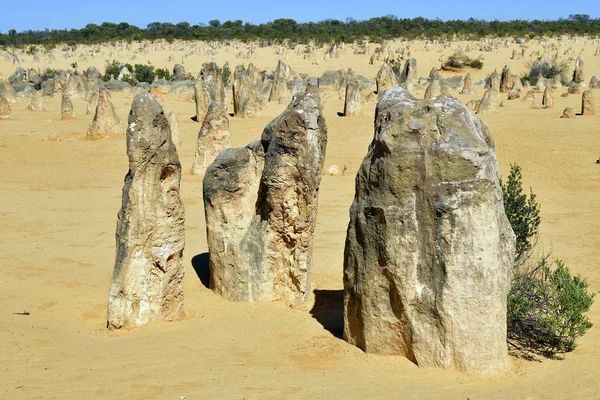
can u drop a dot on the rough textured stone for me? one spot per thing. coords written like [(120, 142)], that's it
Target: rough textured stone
[(7, 91), (468, 85), (175, 131), (385, 78), (92, 103), (493, 81), (489, 102), (513, 94), (429, 248), (433, 90), (352, 102), (548, 98), (261, 206), (280, 91), (106, 124), (5, 111), (66, 107), (568, 113), (75, 87), (36, 104), (179, 73), (147, 281), (208, 88), (587, 103), (409, 72), (578, 75), (506, 80), (574, 88), (213, 138), (246, 87)]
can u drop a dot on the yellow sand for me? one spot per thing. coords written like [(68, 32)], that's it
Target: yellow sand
[(58, 215)]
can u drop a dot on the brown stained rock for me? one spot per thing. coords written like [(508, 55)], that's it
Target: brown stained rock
[(106, 124), (261, 207), (513, 94), (548, 98), (587, 103), (578, 73), (429, 248), (506, 80), (36, 104), (147, 281), (409, 72), (213, 138)]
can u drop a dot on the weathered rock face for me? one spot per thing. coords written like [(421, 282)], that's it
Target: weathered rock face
[(489, 102), (429, 248), (92, 103), (409, 73), (433, 90), (468, 85), (548, 98), (66, 107), (261, 206), (213, 138), (594, 83), (568, 113), (385, 78), (578, 72), (587, 103), (174, 126), (493, 81), (574, 88), (208, 88), (179, 73), (506, 80), (7, 91), (106, 124), (246, 84), (280, 91), (36, 104), (147, 282), (352, 102), (75, 87), (5, 111)]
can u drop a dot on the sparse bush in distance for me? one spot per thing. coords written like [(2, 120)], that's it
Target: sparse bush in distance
[(144, 73), (163, 73), (461, 60), (546, 305)]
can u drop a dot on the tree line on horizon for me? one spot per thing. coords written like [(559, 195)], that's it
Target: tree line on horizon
[(329, 30)]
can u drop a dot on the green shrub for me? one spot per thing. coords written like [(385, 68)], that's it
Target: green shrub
[(546, 305), (523, 212), (163, 73), (114, 68), (144, 73), (461, 60)]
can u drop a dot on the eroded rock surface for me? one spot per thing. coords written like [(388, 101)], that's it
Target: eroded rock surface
[(147, 281), (429, 248)]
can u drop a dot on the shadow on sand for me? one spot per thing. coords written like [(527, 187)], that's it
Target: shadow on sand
[(200, 264), (329, 310)]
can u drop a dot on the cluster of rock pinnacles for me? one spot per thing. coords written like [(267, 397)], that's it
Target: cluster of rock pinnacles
[(428, 248)]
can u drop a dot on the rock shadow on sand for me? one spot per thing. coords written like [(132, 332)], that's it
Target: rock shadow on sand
[(328, 310), (200, 264)]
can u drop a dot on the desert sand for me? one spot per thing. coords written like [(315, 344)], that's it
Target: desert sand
[(58, 213)]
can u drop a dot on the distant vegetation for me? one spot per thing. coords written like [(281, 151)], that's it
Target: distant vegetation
[(329, 30)]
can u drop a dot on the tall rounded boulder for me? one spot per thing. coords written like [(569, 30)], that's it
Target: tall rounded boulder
[(147, 282), (429, 248)]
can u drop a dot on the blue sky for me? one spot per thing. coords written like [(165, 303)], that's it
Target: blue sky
[(41, 14)]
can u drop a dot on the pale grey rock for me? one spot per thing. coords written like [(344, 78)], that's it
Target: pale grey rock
[(213, 138)]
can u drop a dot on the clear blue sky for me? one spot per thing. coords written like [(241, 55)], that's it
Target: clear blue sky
[(67, 14)]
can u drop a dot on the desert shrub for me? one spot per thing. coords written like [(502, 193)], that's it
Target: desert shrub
[(461, 60), (163, 73), (548, 69), (546, 305), (522, 211), (113, 68), (144, 73)]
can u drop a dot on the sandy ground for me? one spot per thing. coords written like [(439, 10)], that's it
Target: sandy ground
[(58, 209)]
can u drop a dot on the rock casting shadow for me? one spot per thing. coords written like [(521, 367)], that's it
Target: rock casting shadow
[(328, 310), (200, 264)]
